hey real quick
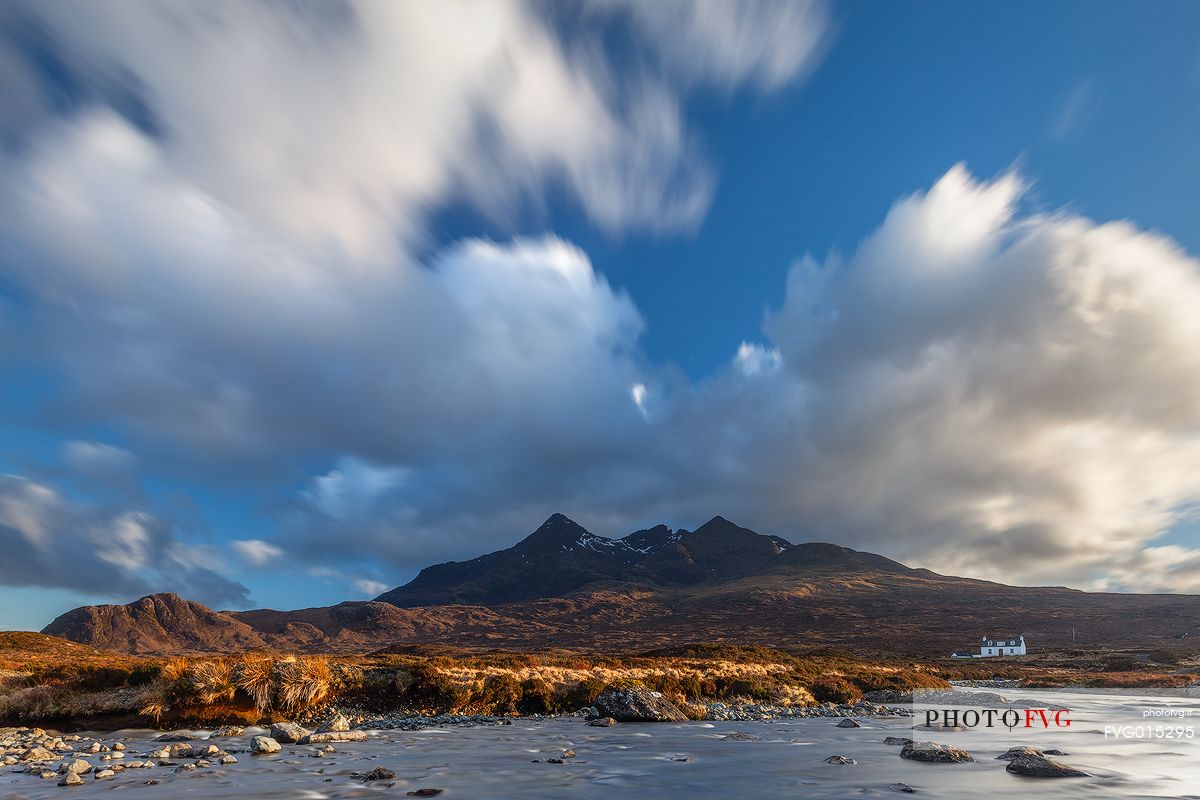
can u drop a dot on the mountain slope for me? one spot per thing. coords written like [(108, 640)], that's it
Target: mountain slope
[(155, 624), (565, 587)]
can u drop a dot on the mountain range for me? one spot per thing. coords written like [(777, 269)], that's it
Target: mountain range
[(563, 586)]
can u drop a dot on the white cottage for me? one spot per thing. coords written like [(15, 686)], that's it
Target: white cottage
[(991, 646), (1006, 646)]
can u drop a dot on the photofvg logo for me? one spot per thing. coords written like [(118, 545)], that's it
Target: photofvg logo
[(1010, 718), (990, 716)]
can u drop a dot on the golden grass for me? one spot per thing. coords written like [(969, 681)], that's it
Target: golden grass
[(303, 683), (253, 676)]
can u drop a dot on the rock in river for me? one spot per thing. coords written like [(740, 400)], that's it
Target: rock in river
[(935, 753), (335, 736), (264, 745), (637, 704), (336, 724), (603, 722), (848, 723), (840, 759), (1042, 767), (288, 732)]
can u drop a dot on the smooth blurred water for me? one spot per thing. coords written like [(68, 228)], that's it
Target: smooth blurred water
[(640, 761)]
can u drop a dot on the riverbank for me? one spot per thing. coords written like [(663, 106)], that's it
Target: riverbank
[(76, 688), (539, 758)]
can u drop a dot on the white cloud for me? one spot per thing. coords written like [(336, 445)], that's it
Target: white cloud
[(256, 552), (370, 588), (765, 42), (50, 540), (1012, 397), (342, 126)]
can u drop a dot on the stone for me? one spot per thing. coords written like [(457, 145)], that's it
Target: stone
[(380, 774), (425, 792), (335, 736), (934, 753), (75, 765), (48, 774), (900, 740), (839, 759), (568, 753), (38, 754), (638, 704), (164, 737), (1042, 767), (264, 745), (602, 722), (902, 787), (228, 760), (181, 750), (336, 724), (71, 779), (739, 736), (848, 723), (1013, 752), (105, 774), (227, 731), (118, 746), (288, 732)]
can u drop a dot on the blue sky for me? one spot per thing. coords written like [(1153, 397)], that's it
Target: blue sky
[(281, 331)]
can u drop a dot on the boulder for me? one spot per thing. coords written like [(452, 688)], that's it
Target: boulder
[(71, 779), (902, 787), (288, 732), (380, 774), (1013, 752), (337, 724), (637, 704), (264, 745), (77, 765), (228, 759), (181, 750), (38, 754), (839, 759), (335, 736), (1042, 767), (900, 740), (104, 774), (228, 730), (602, 722), (849, 723), (934, 753)]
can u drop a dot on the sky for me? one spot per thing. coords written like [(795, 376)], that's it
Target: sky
[(298, 298)]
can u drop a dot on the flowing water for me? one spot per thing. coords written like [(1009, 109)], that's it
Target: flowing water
[(689, 760)]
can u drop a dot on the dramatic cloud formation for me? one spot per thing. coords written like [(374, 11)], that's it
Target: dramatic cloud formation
[(994, 394), (48, 540), (211, 216)]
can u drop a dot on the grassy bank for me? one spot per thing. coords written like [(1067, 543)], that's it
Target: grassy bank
[(105, 690), (65, 685)]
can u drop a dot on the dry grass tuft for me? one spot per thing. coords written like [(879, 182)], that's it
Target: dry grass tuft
[(303, 683), (211, 681), (253, 676)]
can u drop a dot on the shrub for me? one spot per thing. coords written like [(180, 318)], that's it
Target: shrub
[(499, 694), (834, 689), (537, 697), (253, 676), (430, 688), (582, 694), (303, 683), (144, 674)]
